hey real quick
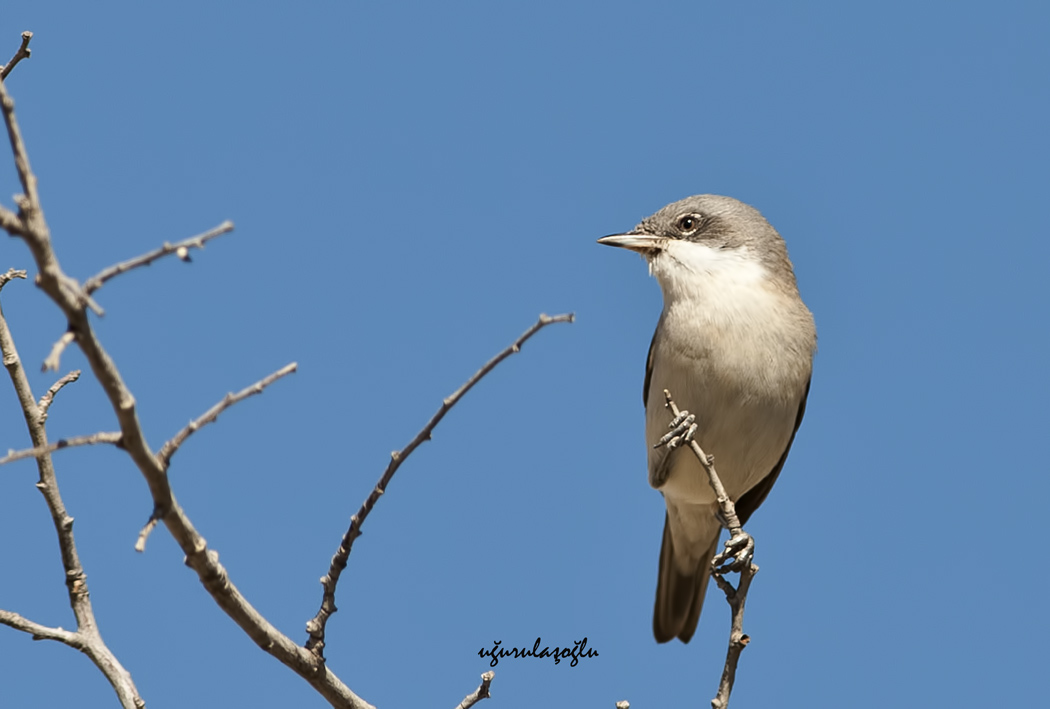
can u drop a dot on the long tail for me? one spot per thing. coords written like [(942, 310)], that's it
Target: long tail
[(680, 597)]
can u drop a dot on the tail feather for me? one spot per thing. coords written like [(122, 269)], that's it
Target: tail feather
[(679, 597)]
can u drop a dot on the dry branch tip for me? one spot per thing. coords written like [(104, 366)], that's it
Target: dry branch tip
[(482, 692), (180, 249), (10, 275), (24, 52), (212, 414), (315, 641)]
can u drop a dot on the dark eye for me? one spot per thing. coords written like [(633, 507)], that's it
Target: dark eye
[(688, 223)]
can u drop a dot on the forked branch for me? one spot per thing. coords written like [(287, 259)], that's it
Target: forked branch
[(86, 637), (29, 225)]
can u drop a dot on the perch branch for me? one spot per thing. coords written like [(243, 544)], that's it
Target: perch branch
[(725, 504), (736, 597), (315, 627)]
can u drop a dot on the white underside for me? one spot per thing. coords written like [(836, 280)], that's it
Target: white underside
[(730, 352)]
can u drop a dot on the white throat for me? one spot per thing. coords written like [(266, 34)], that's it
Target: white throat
[(726, 324), (711, 278)]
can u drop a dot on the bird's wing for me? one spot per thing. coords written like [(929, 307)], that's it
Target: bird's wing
[(660, 467), (649, 368), (754, 497)]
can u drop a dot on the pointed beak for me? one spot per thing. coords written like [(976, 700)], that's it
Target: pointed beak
[(642, 243)]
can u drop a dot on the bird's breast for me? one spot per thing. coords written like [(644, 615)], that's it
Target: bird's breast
[(740, 365)]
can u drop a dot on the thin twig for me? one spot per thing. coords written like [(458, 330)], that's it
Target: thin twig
[(69, 296), (39, 632), (147, 529), (315, 627), (181, 249), (23, 53), (30, 200), (736, 597), (112, 437), (724, 502), (54, 359), (482, 692), (209, 416), (49, 396)]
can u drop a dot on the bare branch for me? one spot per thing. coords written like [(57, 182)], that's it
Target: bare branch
[(54, 359), (11, 274), (87, 638), (70, 297), (725, 504), (112, 437), (25, 173), (49, 396), (739, 549), (169, 448), (315, 627), (39, 632), (181, 249), (482, 692), (23, 53)]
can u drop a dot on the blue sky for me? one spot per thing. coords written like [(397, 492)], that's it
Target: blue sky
[(413, 183)]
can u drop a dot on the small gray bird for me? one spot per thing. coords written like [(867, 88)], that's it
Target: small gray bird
[(734, 345)]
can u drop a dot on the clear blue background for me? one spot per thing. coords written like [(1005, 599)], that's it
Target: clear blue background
[(413, 183)]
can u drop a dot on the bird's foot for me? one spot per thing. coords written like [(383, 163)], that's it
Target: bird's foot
[(683, 428), (737, 555)]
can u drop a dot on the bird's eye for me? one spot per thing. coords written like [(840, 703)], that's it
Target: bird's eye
[(688, 223)]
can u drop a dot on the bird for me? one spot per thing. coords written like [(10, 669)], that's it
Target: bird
[(734, 345)]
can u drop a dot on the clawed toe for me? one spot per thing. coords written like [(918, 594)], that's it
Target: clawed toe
[(683, 428), (737, 555)]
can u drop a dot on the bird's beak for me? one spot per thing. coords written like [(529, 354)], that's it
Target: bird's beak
[(642, 243)]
